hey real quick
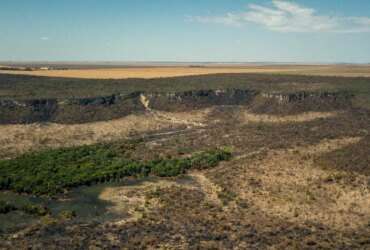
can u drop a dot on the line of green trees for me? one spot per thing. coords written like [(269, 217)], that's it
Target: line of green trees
[(56, 170)]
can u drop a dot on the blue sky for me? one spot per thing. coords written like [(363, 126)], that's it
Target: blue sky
[(185, 30)]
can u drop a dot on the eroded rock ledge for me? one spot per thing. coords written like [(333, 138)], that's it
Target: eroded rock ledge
[(81, 110)]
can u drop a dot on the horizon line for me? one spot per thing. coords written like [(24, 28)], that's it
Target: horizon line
[(130, 62)]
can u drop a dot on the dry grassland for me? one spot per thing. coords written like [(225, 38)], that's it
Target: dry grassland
[(292, 188), (17, 139), (285, 184), (280, 197), (246, 117), (172, 71)]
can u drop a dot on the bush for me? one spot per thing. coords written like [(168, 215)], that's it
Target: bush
[(35, 209), (6, 207), (67, 214), (169, 168), (210, 158)]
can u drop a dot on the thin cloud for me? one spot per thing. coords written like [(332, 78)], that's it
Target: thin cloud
[(284, 16), (44, 38), (228, 19)]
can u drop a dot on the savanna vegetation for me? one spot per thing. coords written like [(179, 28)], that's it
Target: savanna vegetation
[(293, 183)]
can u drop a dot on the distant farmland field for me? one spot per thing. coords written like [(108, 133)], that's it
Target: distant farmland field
[(94, 72)]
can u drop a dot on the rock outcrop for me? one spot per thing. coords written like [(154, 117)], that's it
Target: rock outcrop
[(312, 96), (81, 110), (182, 101), (303, 101)]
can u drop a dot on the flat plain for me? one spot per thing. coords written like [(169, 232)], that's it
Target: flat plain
[(151, 71)]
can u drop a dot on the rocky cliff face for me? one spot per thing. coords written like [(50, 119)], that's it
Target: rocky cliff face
[(118, 105), (310, 96), (69, 110), (290, 103), (27, 111), (182, 101), (34, 104)]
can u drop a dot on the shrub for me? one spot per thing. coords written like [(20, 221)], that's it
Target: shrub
[(168, 168), (6, 207), (67, 214), (35, 209)]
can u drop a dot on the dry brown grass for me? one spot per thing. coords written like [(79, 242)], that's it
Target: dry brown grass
[(210, 189), (292, 188), (246, 117), (17, 139), (130, 200), (172, 71)]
